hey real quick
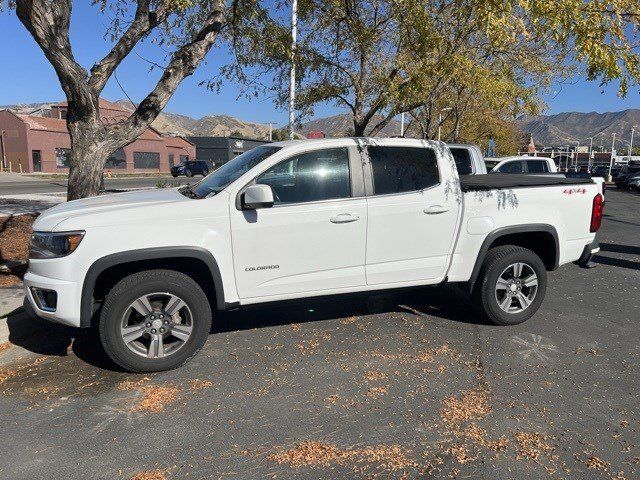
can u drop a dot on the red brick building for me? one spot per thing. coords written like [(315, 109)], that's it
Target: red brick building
[(42, 144)]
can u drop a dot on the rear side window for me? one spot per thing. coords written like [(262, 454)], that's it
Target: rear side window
[(537, 166), (517, 166), (462, 157), (402, 169)]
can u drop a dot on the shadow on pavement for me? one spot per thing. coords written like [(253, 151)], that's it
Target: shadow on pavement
[(46, 338), (52, 339), (614, 247), (445, 303), (617, 262)]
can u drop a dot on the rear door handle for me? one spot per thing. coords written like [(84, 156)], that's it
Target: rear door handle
[(344, 218), (435, 209)]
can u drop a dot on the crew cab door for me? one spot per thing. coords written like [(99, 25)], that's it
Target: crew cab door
[(413, 207), (313, 238)]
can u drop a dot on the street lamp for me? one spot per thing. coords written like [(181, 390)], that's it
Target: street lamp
[(440, 119), (613, 152), (590, 153)]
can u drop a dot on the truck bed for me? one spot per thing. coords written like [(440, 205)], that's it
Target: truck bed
[(501, 181)]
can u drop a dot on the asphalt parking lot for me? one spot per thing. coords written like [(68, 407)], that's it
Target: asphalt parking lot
[(408, 385)]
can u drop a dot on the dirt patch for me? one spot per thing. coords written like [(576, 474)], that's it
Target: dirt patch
[(150, 475), (196, 384), (5, 346), (374, 375), (14, 246), (531, 445), (14, 236), (154, 398), (312, 453), (472, 405)]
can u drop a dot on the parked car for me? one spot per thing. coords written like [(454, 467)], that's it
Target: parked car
[(469, 159), (625, 175), (292, 220), (600, 170), (521, 164), (191, 168), (634, 183)]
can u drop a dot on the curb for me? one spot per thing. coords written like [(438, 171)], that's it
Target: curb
[(11, 299)]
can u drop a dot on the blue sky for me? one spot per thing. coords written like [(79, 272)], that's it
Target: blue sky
[(28, 77)]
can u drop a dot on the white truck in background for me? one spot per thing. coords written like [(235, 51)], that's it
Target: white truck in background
[(301, 219)]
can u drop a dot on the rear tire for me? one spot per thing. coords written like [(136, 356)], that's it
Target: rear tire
[(511, 285), (154, 320)]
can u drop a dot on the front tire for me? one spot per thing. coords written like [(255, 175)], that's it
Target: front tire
[(511, 285), (154, 320)]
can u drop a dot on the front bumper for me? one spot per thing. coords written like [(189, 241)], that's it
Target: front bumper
[(587, 254), (67, 309)]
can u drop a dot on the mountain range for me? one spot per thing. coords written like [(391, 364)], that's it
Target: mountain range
[(547, 130)]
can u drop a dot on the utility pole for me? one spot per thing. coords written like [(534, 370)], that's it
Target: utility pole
[(631, 142), (613, 152), (440, 120), (271, 131), (292, 80), (590, 153)]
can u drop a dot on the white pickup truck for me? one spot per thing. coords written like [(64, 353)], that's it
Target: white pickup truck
[(301, 219)]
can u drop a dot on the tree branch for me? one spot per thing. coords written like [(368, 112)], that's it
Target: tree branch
[(143, 22), (48, 23), (183, 62)]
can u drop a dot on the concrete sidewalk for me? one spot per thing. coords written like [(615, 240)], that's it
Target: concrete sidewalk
[(11, 299), (20, 204)]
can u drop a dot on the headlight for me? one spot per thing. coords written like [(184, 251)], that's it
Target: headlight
[(53, 244)]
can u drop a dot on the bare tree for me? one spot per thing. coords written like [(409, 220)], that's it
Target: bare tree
[(92, 140)]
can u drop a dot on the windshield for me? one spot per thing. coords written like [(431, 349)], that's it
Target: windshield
[(227, 173)]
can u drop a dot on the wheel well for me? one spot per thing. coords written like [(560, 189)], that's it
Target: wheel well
[(542, 244), (197, 269)]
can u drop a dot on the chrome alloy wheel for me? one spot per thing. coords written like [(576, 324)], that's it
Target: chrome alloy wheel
[(156, 325), (516, 287)]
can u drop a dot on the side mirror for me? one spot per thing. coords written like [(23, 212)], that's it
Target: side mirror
[(257, 196)]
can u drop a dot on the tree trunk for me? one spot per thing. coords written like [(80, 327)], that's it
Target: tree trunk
[(87, 162)]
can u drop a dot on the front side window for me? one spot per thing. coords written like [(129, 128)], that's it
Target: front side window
[(537, 166), (232, 170), (403, 169), (63, 157), (310, 177), (146, 159), (517, 166)]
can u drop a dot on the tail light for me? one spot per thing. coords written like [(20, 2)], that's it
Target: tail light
[(596, 213)]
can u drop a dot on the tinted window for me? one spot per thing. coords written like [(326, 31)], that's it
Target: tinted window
[(537, 166), (402, 169), (63, 157), (512, 167), (310, 177), (117, 159), (462, 157), (146, 159)]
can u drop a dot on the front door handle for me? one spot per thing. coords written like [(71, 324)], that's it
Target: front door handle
[(435, 209), (344, 218)]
